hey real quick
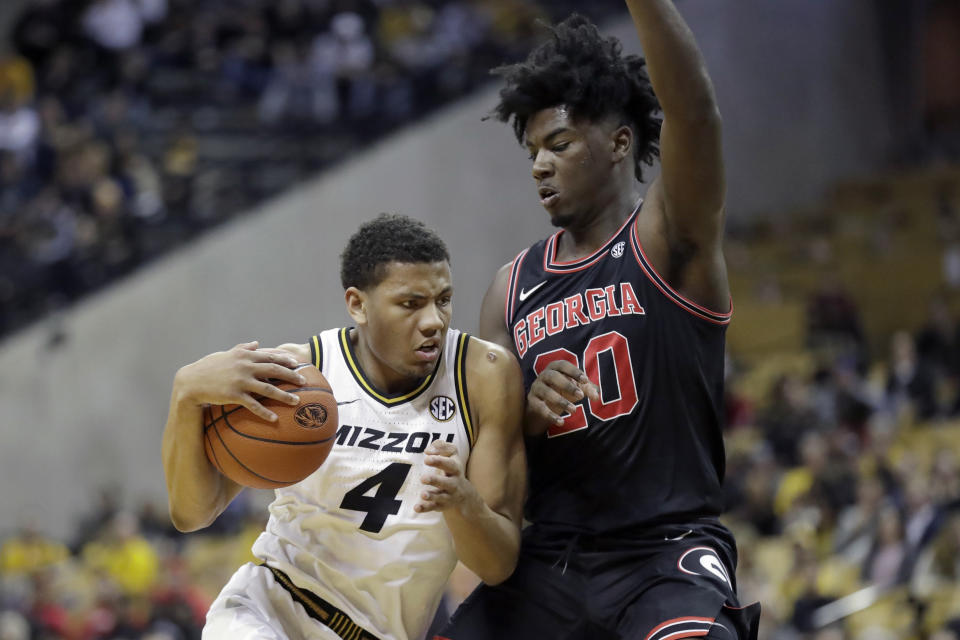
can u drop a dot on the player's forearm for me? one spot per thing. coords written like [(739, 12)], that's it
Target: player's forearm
[(487, 543), (676, 67), (197, 493), (534, 424)]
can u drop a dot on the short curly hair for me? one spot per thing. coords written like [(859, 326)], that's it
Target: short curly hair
[(387, 238), (587, 72)]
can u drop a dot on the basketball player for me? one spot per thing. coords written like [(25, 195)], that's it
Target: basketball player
[(428, 465), (618, 320)]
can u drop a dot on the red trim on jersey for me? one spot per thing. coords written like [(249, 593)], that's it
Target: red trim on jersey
[(508, 307), (683, 633), (681, 301), (572, 266)]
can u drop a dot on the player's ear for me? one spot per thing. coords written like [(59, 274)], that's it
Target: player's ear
[(356, 304), (622, 143)]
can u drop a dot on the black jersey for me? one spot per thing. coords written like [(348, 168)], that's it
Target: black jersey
[(651, 449)]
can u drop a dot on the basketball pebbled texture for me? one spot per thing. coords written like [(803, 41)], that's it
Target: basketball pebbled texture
[(267, 455)]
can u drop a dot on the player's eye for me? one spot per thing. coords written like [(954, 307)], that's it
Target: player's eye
[(561, 147), (409, 304), (444, 302)]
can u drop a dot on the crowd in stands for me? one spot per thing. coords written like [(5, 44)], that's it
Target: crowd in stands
[(835, 483), (843, 444), (129, 126), (843, 481)]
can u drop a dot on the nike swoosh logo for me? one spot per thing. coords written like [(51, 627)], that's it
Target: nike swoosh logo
[(347, 402), (679, 537), (526, 294)]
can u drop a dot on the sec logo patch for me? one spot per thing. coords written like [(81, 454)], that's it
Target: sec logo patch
[(442, 408)]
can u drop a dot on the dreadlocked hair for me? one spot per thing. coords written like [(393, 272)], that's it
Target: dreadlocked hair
[(587, 72)]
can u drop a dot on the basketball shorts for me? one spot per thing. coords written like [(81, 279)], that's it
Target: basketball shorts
[(256, 604), (674, 582)]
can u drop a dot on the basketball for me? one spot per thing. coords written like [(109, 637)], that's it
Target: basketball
[(266, 455)]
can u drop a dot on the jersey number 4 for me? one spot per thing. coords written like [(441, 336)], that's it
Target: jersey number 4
[(383, 502), (617, 404)]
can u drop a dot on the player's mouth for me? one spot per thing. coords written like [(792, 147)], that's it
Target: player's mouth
[(428, 352), (548, 196)]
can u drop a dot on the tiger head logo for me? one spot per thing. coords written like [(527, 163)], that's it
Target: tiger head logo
[(311, 416)]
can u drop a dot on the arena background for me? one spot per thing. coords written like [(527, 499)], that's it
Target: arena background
[(823, 118)]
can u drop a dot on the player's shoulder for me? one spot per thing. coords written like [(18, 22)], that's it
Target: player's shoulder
[(489, 362), (503, 275)]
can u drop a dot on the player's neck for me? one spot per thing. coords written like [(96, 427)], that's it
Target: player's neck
[(376, 372), (593, 230)]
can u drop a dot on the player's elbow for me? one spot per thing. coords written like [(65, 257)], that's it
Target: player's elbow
[(186, 521), (500, 566), (494, 575)]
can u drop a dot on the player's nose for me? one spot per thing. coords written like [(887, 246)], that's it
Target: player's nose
[(431, 320), (541, 168)]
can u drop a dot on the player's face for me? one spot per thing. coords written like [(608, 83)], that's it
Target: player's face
[(406, 319), (571, 164)]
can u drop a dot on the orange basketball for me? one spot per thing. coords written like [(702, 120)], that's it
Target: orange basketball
[(266, 455)]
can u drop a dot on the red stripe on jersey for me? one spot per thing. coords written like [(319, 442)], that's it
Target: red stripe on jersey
[(508, 305), (686, 630), (572, 266), (684, 303)]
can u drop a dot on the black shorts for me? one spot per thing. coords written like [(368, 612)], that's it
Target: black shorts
[(673, 582)]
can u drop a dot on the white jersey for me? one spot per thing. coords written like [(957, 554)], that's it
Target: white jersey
[(348, 532)]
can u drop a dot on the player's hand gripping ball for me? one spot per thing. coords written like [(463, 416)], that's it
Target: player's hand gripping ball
[(266, 455)]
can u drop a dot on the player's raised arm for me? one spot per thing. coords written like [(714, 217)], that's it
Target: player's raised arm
[(197, 492), (692, 176), (483, 503)]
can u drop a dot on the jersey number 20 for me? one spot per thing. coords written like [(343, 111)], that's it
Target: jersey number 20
[(624, 400)]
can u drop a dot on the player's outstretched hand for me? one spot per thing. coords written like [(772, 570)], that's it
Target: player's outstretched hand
[(240, 376), (553, 394), (445, 485)]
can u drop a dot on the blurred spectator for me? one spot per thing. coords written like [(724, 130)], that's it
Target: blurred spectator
[(19, 125), (938, 340), (124, 555), (797, 483), (889, 549), (113, 24), (910, 380), (105, 507), (48, 612), (29, 552), (802, 588), (938, 567), (922, 517), (833, 320), (857, 523), (751, 488), (945, 479), (787, 417), (13, 626), (853, 404)]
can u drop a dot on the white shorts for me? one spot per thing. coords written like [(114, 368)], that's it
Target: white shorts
[(253, 606)]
